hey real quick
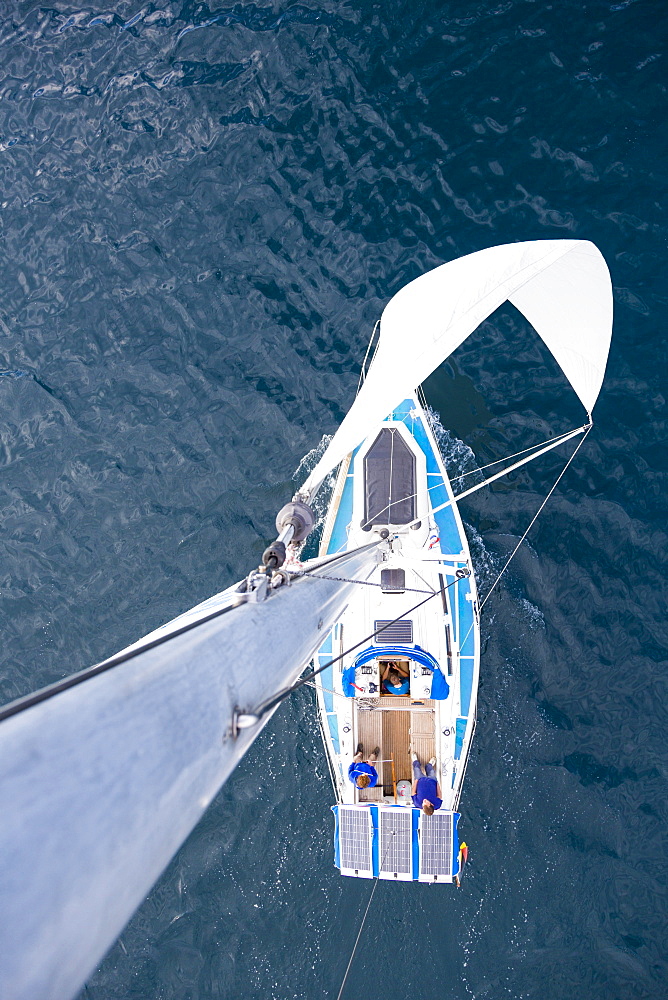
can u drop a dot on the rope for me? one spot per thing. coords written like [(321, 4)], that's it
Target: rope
[(362, 377), (508, 458), (536, 515), (357, 939), (531, 524), (359, 933)]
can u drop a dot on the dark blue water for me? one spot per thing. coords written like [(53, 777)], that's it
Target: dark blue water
[(203, 210)]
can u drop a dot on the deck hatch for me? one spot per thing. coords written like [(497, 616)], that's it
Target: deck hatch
[(436, 845), (389, 481), (396, 843), (355, 832), (399, 632), (393, 581)]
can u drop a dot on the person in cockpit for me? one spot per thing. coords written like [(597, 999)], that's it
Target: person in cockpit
[(395, 678)]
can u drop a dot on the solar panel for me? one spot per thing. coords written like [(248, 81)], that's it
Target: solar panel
[(396, 843), (355, 832), (436, 847), (399, 632)]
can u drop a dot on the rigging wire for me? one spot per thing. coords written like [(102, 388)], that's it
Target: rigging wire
[(363, 370), (481, 468), (534, 518), (531, 524), (507, 458), (363, 583), (461, 574), (357, 939), (359, 933)]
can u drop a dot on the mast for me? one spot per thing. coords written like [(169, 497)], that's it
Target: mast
[(100, 783)]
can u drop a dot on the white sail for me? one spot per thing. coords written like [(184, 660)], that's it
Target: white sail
[(561, 286), (101, 783)]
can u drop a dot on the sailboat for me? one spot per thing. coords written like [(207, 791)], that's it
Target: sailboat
[(104, 774), (410, 690)]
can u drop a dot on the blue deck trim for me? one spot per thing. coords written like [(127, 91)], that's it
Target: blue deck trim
[(327, 676), (375, 841), (465, 684), (451, 542), (467, 649), (440, 689), (337, 849), (327, 679), (448, 528), (460, 730), (467, 640), (411, 652), (333, 721), (339, 538), (455, 843), (416, 845)]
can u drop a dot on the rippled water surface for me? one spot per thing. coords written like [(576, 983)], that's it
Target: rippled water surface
[(203, 210)]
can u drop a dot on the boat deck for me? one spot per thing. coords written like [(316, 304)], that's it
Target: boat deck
[(397, 725)]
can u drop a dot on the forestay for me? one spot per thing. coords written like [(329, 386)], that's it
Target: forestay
[(561, 286)]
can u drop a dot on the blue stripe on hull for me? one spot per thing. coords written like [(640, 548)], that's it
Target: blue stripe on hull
[(327, 681), (339, 537), (451, 543)]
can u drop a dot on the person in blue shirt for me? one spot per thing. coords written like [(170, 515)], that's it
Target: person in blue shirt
[(426, 789), (362, 773), (395, 679)]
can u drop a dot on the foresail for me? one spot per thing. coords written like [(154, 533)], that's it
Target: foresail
[(561, 286)]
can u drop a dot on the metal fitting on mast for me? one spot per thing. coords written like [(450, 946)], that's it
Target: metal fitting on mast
[(294, 523)]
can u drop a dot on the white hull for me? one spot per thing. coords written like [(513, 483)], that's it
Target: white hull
[(428, 554)]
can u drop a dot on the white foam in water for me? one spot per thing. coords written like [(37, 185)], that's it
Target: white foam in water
[(320, 503), (535, 616), (308, 463), (458, 457)]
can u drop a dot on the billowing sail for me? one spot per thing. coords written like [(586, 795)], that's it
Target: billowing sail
[(562, 287), (100, 783)]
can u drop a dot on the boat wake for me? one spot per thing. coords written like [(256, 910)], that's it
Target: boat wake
[(460, 460), (320, 502)]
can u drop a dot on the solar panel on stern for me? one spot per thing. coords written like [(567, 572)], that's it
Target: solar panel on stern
[(395, 829), (355, 840), (436, 846)]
